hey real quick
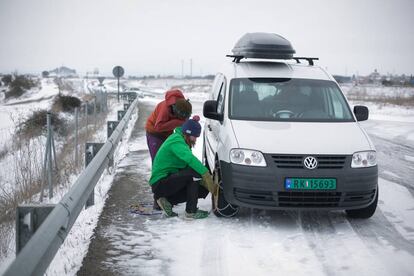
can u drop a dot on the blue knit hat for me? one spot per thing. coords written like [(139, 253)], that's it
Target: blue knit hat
[(192, 127)]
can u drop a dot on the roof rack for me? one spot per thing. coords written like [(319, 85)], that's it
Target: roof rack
[(237, 59), (265, 46), (308, 59)]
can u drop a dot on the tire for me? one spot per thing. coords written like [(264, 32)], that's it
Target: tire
[(223, 208), (366, 212)]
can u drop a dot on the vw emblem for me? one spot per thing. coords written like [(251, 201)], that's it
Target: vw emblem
[(310, 162)]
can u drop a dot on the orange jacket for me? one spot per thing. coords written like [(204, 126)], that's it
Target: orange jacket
[(162, 122)]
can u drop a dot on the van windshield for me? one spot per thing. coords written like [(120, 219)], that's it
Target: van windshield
[(277, 99)]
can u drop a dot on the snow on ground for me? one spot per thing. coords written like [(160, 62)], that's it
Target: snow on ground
[(24, 107), (377, 91), (389, 121), (15, 111), (284, 243), (159, 86), (70, 255), (398, 206), (261, 242)]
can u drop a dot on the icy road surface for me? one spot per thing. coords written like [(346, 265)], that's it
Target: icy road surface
[(259, 242)]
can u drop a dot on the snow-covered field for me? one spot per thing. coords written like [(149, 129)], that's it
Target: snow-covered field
[(264, 242)]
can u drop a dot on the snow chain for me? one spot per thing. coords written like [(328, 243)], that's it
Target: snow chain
[(219, 210)]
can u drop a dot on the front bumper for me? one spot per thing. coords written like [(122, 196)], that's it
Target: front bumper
[(263, 187)]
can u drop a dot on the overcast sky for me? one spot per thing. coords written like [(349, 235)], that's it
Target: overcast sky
[(154, 36)]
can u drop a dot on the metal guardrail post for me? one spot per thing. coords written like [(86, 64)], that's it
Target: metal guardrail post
[(29, 217), (40, 250), (91, 149), (121, 114), (111, 126)]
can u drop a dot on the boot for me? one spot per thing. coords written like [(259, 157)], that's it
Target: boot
[(166, 207), (199, 214)]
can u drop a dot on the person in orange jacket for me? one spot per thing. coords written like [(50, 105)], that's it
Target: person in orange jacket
[(168, 114)]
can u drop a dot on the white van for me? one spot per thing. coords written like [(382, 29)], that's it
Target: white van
[(280, 134)]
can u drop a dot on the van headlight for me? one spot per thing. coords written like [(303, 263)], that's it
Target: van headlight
[(364, 159), (247, 157)]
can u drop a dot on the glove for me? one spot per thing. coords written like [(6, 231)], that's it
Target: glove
[(208, 183)]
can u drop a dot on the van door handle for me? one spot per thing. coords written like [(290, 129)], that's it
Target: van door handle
[(209, 127)]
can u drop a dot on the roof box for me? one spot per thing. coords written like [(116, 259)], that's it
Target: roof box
[(263, 45)]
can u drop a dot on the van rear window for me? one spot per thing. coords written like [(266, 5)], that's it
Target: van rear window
[(277, 99)]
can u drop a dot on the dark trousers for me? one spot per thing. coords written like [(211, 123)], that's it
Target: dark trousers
[(154, 143), (180, 187)]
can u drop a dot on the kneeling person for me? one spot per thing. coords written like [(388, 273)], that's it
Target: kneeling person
[(174, 169)]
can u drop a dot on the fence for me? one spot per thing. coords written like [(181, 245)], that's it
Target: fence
[(36, 255)]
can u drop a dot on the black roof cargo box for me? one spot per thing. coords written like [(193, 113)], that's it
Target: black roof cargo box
[(263, 45)]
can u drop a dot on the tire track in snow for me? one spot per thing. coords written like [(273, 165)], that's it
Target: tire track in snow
[(214, 257), (339, 252), (381, 238), (391, 157), (379, 231)]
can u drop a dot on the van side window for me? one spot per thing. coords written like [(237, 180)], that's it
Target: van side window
[(220, 98), (218, 80)]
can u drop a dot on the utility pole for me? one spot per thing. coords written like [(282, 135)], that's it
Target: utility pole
[(182, 68), (191, 67)]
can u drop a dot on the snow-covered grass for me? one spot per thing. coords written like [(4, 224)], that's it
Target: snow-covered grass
[(21, 165), (76, 244), (368, 92)]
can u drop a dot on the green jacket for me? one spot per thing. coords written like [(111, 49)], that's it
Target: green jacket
[(174, 155)]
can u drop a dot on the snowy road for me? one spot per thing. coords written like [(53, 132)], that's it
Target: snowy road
[(259, 242), (394, 141)]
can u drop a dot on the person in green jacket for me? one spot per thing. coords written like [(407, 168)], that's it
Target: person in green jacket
[(175, 172)]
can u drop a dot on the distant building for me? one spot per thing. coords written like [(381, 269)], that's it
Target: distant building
[(63, 71), (375, 78)]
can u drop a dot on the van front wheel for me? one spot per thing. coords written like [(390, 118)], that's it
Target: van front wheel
[(366, 212), (221, 207)]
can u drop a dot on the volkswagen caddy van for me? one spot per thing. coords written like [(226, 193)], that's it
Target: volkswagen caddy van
[(280, 134)]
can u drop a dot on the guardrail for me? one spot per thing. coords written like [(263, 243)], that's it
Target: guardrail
[(40, 250)]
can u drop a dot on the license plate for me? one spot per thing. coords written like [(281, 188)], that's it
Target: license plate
[(310, 183)]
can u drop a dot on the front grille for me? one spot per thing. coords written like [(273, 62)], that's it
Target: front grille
[(309, 199), (286, 161)]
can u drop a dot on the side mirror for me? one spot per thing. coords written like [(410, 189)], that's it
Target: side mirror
[(361, 112), (210, 111)]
